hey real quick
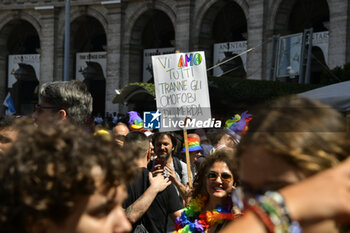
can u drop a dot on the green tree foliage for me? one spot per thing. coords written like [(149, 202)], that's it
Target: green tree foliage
[(231, 95), (338, 74)]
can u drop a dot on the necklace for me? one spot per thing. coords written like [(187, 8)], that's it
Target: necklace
[(194, 220)]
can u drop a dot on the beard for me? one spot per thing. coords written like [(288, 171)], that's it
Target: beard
[(165, 155)]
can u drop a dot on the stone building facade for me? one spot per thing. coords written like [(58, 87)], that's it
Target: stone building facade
[(123, 29)]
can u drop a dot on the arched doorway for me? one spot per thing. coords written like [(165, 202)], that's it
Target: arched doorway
[(153, 33), (223, 34), (88, 45), (138, 97), (318, 65), (309, 13), (20, 58)]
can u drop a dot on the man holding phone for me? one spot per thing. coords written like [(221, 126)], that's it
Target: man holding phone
[(164, 148), (151, 199), (165, 163)]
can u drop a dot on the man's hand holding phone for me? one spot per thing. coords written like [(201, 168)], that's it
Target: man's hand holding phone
[(158, 167)]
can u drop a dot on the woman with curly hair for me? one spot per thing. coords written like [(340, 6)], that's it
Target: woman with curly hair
[(211, 206), (58, 178)]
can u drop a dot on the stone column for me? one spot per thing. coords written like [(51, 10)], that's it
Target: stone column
[(337, 33), (348, 46), (47, 44), (114, 17), (183, 34), (3, 74), (255, 38)]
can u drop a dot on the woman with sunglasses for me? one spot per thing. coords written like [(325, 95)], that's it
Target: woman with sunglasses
[(211, 206)]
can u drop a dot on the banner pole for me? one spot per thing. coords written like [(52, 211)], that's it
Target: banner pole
[(188, 161)]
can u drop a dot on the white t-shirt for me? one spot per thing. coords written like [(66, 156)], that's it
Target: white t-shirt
[(184, 180), (98, 120)]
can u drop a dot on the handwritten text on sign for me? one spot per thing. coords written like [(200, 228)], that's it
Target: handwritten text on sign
[(181, 85)]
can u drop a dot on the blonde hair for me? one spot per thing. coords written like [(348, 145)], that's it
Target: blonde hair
[(308, 134)]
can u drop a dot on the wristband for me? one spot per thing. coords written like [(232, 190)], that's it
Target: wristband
[(294, 226), (270, 208)]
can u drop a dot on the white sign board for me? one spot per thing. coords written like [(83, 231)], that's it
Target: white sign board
[(147, 61), (320, 39), (181, 88), (224, 51), (97, 57), (14, 62), (289, 55)]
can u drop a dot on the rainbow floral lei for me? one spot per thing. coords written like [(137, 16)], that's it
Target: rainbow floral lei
[(192, 219)]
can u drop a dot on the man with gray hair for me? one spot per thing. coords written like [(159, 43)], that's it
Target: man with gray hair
[(64, 100)]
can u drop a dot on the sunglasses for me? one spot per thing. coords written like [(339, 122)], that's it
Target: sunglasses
[(225, 176), (39, 107)]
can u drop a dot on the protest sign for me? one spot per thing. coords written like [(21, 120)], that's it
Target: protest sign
[(97, 62), (225, 51), (28, 62), (181, 88), (320, 39)]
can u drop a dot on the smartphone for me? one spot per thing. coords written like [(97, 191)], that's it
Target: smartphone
[(161, 161)]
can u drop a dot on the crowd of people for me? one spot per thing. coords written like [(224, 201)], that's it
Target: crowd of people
[(283, 169)]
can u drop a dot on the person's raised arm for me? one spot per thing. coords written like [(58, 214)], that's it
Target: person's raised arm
[(323, 196), (137, 209)]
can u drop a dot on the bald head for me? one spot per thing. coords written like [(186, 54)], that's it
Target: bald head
[(119, 132), (120, 129)]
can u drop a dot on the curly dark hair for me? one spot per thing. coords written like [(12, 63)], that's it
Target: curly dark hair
[(199, 183), (49, 168), (171, 135)]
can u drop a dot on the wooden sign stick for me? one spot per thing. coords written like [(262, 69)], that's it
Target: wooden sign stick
[(188, 161)]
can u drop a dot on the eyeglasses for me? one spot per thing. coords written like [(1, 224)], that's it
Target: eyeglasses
[(225, 176), (39, 107), (235, 140)]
